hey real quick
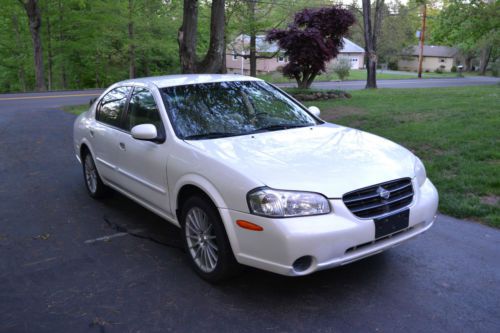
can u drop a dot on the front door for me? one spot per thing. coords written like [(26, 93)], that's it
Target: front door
[(143, 164)]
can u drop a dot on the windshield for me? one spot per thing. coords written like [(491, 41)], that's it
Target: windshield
[(221, 109)]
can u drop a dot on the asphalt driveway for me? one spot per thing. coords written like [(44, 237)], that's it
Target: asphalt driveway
[(69, 263)]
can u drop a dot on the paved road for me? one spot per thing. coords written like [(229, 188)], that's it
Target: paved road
[(405, 83), (58, 273)]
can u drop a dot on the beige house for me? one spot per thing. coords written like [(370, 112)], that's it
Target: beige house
[(434, 57), (238, 64)]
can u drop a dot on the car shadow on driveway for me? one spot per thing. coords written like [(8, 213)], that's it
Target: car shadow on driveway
[(143, 224)]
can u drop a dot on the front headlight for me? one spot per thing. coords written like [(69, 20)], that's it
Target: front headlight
[(420, 173), (276, 203)]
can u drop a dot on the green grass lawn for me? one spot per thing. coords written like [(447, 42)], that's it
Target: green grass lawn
[(356, 75), (455, 131), (76, 109)]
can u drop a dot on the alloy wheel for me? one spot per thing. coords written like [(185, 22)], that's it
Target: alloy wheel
[(201, 240)]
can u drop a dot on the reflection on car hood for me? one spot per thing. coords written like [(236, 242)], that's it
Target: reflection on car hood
[(327, 159)]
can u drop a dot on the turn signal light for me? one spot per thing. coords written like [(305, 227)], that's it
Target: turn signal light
[(249, 225)]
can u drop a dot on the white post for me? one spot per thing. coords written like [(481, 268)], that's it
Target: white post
[(242, 64)]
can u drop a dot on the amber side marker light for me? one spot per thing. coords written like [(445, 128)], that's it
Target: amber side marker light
[(249, 225)]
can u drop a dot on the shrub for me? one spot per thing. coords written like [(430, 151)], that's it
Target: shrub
[(495, 68), (341, 67), (438, 70), (393, 65), (453, 69)]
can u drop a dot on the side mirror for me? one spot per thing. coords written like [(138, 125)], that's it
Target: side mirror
[(314, 110), (144, 132)]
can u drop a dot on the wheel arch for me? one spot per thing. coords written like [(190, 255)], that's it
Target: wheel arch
[(190, 185), (195, 185)]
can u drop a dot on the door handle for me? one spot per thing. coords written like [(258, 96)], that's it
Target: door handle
[(122, 146)]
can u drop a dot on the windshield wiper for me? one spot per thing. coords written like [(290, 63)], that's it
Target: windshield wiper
[(211, 135), (277, 127)]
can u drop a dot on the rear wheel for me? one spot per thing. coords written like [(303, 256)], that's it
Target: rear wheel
[(93, 182), (206, 241)]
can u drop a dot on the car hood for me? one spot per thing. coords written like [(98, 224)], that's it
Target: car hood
[(327, 159)]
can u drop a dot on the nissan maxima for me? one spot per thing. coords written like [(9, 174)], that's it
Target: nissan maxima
[(250, 175)]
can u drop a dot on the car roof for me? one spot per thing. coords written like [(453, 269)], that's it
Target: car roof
[(185, 79)]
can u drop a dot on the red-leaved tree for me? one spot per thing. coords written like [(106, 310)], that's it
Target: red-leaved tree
[(313, 39)]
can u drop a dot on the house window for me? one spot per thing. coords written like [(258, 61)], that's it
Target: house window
[(442, 60), (281, 58), (235, 56)]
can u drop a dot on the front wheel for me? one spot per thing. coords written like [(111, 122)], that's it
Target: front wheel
[(206, 241)]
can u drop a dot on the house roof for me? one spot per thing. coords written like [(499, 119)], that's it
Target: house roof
[(263, 46), (432, 51)]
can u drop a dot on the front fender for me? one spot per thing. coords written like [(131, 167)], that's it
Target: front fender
[(213, 193)]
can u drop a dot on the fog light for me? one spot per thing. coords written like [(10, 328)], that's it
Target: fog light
[(302, 264)]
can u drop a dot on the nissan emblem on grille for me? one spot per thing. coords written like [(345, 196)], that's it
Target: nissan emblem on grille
[(384, 194)]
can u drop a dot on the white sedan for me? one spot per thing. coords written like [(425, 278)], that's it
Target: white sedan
[(250, 175)]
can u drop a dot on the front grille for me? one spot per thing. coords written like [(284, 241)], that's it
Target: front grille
[(369, 203)]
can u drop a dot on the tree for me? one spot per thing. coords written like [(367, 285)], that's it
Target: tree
[(370, 35), (311, 41), (470, 25), (213, 61), (35, 22)]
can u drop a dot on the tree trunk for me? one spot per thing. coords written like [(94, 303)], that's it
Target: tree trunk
[(253, 39), (131, 50), (187, 36), (485, 58), (253, 55), (145, 60), (371, 56), (35, 23), (21, 74), (422, 41), (467, 63), (305, 81), (213, 62), (49, 44), (64, 80)]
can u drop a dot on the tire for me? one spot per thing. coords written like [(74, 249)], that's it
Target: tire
[(93, 183), (206, 242)]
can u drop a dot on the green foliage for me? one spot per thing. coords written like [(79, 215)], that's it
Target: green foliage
[(89, 42), (468, 25), (16, 62)]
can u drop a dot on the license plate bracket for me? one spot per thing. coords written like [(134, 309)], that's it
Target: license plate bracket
[(392, 223)]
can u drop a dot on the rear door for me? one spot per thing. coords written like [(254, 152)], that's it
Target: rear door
[(109, 121)]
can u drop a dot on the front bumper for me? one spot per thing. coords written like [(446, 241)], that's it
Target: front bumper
[(328, 240)]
